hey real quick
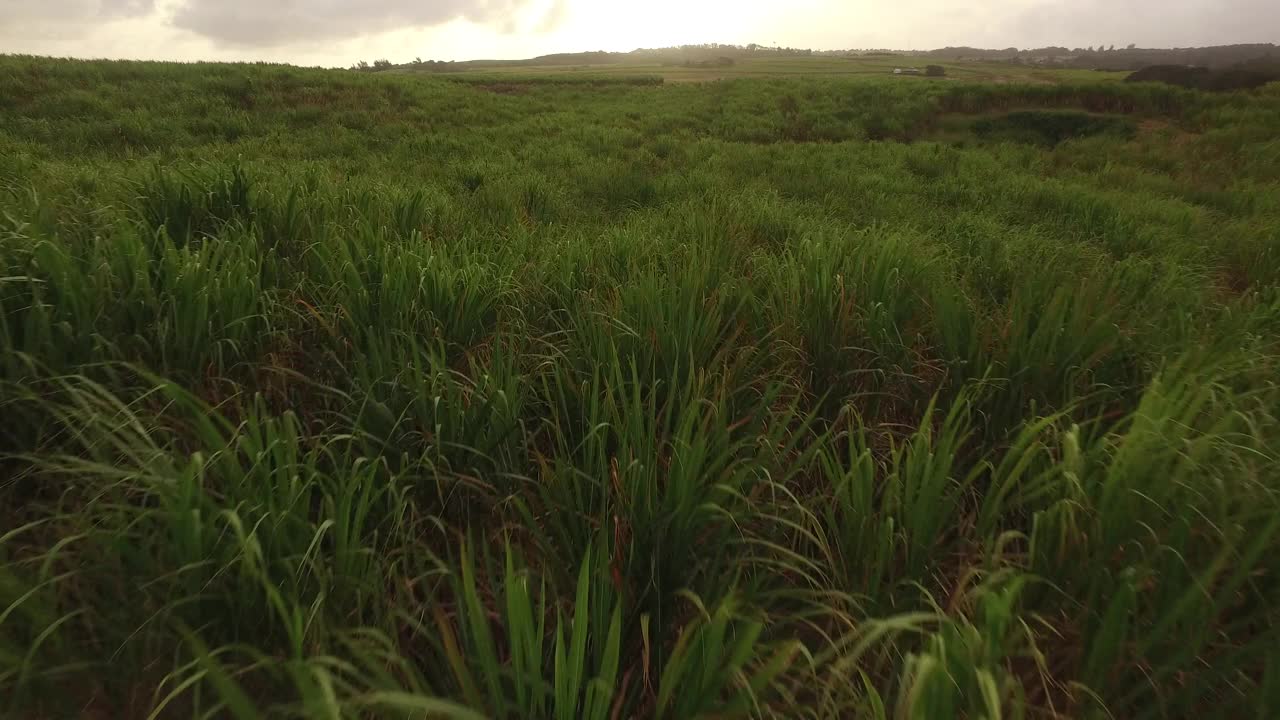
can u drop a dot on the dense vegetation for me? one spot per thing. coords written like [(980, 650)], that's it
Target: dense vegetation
[(1050, 127), (344, 395), (1213, 80)]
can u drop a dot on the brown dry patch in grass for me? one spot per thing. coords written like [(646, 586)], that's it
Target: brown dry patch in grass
[(1231, 282), (1155, 126)]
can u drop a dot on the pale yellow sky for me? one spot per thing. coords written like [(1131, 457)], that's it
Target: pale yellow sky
[(339, 32)]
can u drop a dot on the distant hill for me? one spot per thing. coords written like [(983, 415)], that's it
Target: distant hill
[(711, 53), (1130, 58)]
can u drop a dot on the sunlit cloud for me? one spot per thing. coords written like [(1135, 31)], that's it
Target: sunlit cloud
[(254, 23)]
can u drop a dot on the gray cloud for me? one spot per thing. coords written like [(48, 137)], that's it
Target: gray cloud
[(1150, 23), (73, 11), (261, 23)]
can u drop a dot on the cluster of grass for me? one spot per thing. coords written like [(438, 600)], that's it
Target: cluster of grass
[(347, 395)]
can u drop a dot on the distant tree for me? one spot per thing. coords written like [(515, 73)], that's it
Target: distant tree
[(935, 71), (1132, 46), (1111, 49), (381, 65)]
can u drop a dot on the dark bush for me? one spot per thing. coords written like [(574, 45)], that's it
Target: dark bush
[(935, 71), (1201, 78), (1238, 79)]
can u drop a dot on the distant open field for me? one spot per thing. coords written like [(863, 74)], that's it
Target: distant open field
[(559, 394), (869, 66)]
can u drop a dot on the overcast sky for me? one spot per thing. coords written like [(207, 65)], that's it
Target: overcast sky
[(339, 32)]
